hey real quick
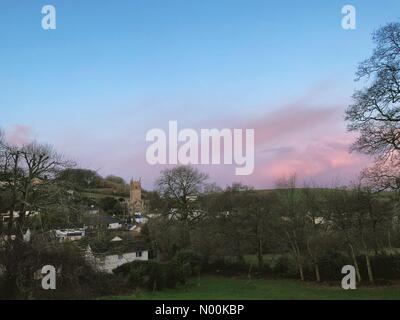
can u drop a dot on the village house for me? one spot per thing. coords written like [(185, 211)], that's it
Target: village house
[(119, 252), (114, 224), (140, 219), (70, 234)]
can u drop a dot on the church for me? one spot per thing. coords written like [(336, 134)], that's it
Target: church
[(136, 203)]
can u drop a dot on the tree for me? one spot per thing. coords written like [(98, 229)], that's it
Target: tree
[(339, 212), (227, 214), (261, 219), (180, 188), (293, 220), (27, 171), (80, 178), (317, 230), (111, 206), (375, 112), (29, 177), (115, 179)]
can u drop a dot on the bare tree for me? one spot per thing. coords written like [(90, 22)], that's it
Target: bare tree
[(180, 187), (293, 220), (27, 172), (339, 211), (375, 112)]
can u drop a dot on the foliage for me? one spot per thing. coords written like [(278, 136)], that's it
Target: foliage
[(150, 274)]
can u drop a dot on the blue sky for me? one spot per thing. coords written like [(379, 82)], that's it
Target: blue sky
[(114, 69)]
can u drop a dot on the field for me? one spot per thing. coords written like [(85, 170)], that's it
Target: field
[(224, 288)]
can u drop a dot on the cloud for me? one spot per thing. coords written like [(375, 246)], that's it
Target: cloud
[(303, 137), (314, 161), (290, 120), (306, 136), (280, 150), (19, 135)]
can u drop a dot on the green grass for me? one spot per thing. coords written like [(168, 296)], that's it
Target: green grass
[(224, 288)]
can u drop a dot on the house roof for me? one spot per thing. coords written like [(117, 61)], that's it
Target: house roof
[(103, 219), (106, 246)]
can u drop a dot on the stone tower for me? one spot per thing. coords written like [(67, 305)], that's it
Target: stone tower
[(135, 202)]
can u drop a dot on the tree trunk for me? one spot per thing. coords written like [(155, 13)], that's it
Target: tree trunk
[(260, 254), (353, 256), (369, 268), (317, 275), (301, 271), (368, 262), (187, 242), (299, 263), (389, 234), (315, 262)]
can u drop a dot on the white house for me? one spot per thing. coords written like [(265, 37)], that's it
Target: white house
[(110, 262), (27, 236), (114, 225), (115, 239), (107, 262), (140, 219), (70, 234)]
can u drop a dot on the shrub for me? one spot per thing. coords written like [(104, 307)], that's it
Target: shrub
[(189, 262), (383, 266), (76, 279), (285, 267), (331, 264), (228, 268), (150, 275)]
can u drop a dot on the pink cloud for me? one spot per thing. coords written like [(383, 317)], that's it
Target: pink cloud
[(19, 135), (302, 137), (291, 119), (313, 160)]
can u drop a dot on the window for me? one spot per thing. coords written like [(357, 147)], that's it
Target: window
[(138, 254)]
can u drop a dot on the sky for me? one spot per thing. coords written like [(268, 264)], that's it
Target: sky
[(113, 70)]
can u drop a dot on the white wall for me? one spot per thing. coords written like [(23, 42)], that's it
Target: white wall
[(108, 263)]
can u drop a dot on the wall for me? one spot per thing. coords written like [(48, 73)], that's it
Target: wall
[(108, 263)]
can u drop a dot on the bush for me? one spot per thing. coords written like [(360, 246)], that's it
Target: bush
[(330, 265), (228, 268), (76, 279), (285, 267), (189, 262), (151, 275), (383, 266)]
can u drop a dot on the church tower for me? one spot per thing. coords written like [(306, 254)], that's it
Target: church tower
[(135, 202)]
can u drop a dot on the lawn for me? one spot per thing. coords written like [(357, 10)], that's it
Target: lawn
[(224, 288)]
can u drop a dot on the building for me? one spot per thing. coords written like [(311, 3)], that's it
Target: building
[(115, 225), (135, 199), (118, 253), (103, 221), (70, 234), (140, 219)]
